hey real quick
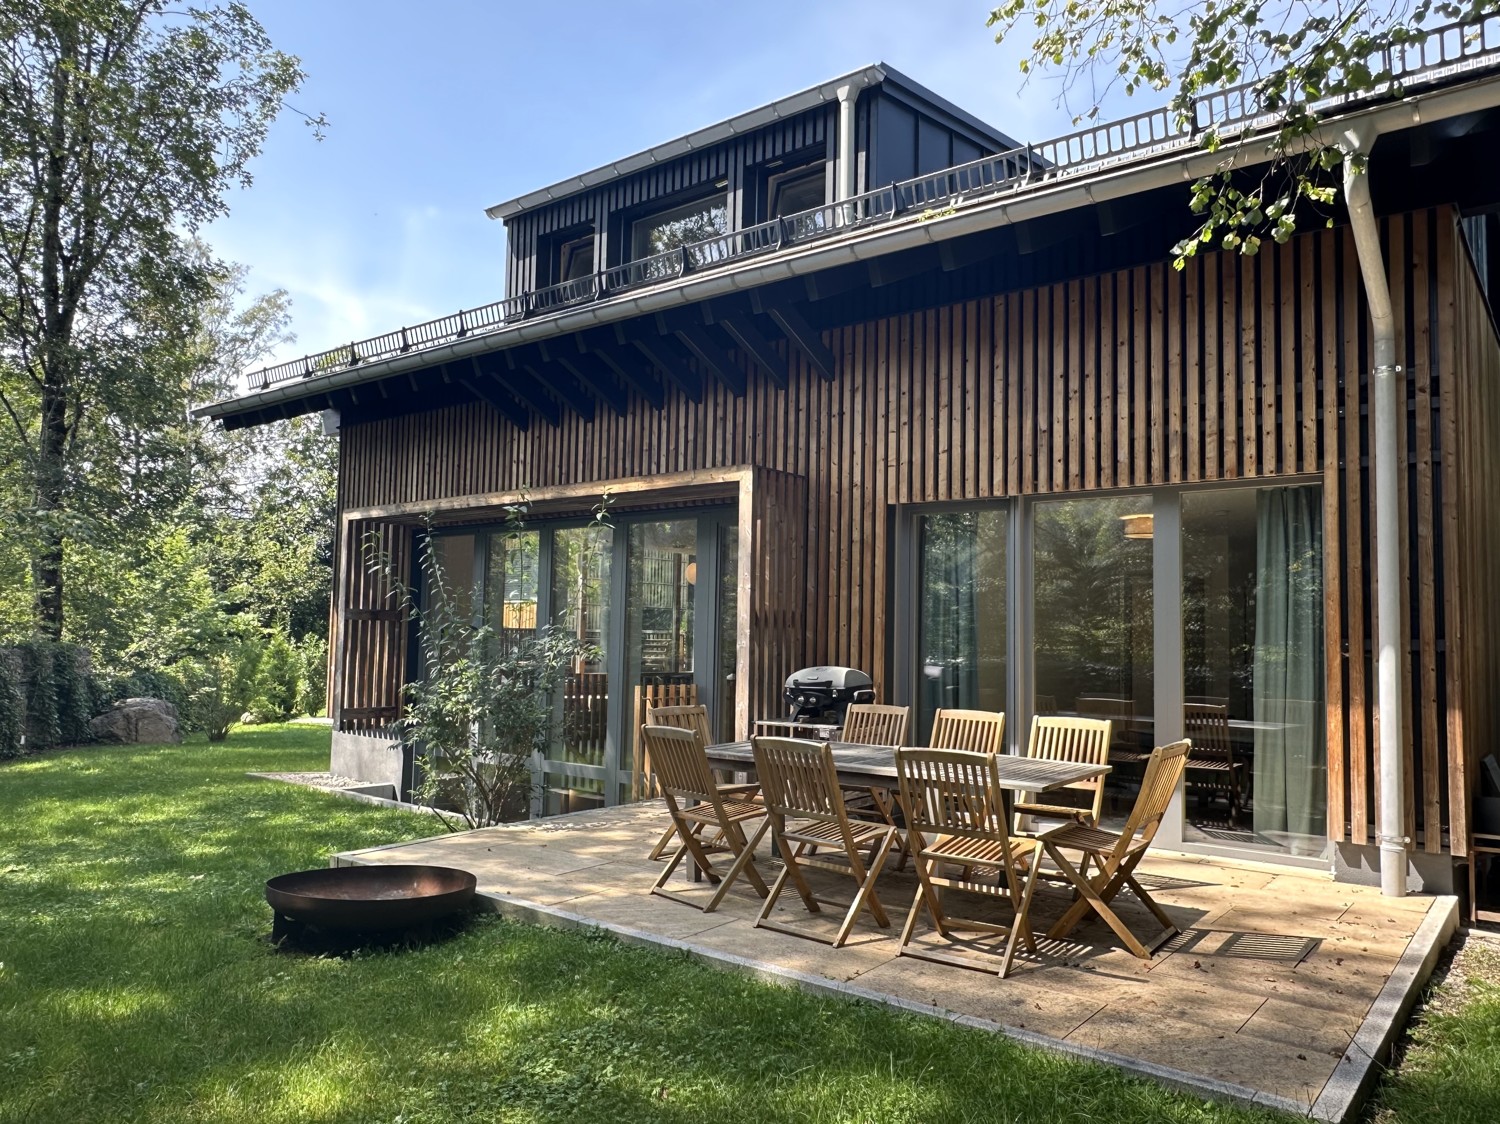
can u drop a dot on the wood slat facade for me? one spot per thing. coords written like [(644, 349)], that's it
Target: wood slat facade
[(1236, 368)]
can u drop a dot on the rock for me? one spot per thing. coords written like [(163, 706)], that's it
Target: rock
[(138, 722)]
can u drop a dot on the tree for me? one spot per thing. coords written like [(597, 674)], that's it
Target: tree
[(123, 124), (1296, 53)]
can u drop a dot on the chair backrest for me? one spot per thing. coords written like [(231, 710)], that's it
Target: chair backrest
[(982, 731), (1121, 711), (952, 792), (1082, 740), (680, 764), (1044, 704), (1206, 725), (875, 724), (694, 718), (798, 778), (1163, 772)]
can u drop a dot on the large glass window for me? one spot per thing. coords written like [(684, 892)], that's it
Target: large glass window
[(680, 226), (511, 585), (961, 629), (1253, 664), (581, 607), (662, 574), (1092, 619)]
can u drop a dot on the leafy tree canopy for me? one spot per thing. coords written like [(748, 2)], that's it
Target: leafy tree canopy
[(1294, 54)]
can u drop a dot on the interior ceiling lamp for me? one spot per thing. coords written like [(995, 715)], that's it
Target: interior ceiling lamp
[(691, 573), (1139, 525)]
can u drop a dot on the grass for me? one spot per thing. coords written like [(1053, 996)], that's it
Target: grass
[(138, 984), (1450, 1070)]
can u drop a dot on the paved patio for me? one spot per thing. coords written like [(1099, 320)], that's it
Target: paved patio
[(1282, 988)]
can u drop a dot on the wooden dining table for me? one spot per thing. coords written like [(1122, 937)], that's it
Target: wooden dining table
[(874, 766)]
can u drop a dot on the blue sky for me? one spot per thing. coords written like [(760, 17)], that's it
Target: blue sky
[(442, 108)]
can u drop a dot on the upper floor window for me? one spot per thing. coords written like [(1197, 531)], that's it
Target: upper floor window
[(576, 258), (681, 226), (800, 189)]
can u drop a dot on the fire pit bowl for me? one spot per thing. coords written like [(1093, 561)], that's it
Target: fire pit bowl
[(369, 897)]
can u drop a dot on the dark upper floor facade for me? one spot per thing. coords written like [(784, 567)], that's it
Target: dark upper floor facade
[(840, 139)]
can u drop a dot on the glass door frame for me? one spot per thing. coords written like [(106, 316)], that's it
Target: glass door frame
[(1168, 641)]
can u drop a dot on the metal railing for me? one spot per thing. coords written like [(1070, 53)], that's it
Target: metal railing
[(1442, 53)]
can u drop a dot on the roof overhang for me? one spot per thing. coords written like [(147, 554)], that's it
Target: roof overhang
[(1136, 177)]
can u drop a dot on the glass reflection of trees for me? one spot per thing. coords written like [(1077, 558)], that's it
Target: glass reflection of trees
[(580, 595), (1093, 598), (962, 637)]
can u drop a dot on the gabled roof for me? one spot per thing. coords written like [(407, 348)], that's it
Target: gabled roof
[(876, 74)]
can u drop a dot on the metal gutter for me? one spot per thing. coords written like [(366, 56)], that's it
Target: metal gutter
[(1131, 179), (1385, 376)]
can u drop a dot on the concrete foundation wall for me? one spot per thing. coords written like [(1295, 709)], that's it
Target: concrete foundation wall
[(1425, 874), (373, 760)]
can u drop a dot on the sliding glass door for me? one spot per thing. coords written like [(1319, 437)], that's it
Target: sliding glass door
[(1193, 612)]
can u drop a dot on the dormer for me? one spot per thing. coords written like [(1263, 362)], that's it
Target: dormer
[(789, 158)]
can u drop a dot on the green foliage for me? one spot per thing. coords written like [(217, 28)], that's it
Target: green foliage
[(123, 125), (1297, 53), (12, 703), (278, 681), (481, 709), (46, 693), (312, 657), (221, 684)]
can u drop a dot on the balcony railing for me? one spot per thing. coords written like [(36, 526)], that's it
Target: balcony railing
[(1439, 55)]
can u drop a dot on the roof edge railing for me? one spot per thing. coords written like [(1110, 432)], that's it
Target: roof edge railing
[(1442, 53)]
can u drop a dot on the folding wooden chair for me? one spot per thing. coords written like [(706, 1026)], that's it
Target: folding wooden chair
[(800, 786), (1212, 765), (694, 718), (1067, 739), (695, 803), (979, 731), (875, 724), (956, 815), (1118, 854)]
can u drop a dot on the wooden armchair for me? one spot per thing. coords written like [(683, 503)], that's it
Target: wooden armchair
[(1068, 739), (1116, 855), (694, 803), (695, 719), (956, 817), (812, 829), (979, 731), (1212, 767)]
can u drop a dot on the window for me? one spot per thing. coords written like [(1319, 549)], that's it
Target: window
[(681, 226), (801, 189), (576, 259)]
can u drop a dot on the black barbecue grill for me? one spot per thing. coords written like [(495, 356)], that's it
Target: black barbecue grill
[(822, 694)]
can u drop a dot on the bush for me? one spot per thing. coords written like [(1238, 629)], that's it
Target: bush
[(312, 654), (12, 703), (223, 686), (48, 696), (278, 685)]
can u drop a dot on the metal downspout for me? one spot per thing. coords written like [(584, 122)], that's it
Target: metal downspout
[(847, 150), (1385, 378)]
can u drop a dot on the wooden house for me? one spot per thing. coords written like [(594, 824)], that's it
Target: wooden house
[(866, 382)]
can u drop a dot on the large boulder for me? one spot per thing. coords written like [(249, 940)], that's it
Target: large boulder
[(138, 722)]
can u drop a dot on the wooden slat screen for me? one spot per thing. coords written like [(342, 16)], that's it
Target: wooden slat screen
[(1236, 368), (369, 648)]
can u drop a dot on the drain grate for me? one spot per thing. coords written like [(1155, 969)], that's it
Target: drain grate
[(1281, 948)]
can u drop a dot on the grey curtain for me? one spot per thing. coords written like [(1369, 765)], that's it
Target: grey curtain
[(1291, 757)]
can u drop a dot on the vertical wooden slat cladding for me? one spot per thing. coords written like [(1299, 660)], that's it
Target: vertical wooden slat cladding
[(1240, 368), (1469, 529), (369, 639)]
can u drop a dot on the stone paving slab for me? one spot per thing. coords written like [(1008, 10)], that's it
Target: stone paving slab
[(1283, 988)]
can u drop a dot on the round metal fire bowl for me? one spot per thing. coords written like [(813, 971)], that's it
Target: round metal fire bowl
[(370, 897)]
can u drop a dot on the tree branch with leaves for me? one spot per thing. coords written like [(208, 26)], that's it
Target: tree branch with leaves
[(1289, 57)]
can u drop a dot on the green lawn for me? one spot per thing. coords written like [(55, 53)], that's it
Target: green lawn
[(138, 984), (1450, 1070)]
